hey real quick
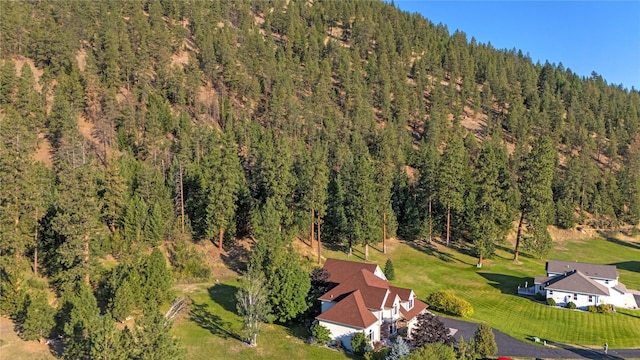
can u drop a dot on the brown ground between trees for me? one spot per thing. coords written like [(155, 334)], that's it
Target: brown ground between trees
[(13, 347)]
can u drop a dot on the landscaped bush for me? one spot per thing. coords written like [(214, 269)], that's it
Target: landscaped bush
[(604, 308), (359, 343), (592, 308), (539, 296), (571, 305), (446, 302), (551, 302), (321, 334)]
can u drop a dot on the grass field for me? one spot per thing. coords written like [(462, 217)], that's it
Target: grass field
[(491, 289), (213, 329)]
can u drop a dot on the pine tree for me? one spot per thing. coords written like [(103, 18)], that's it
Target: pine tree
[(534, 185), (492, 201), (222, 189), (39, 317), (389, 272), (484, 343), (454, 170)]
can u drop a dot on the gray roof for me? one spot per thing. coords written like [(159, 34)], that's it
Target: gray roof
[(591, 270), (541, 279), (576, 282)]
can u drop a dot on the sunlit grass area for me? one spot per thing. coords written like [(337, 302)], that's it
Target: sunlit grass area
[(213, 330), (492, 289)]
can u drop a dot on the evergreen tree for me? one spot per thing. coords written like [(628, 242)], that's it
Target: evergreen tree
[(389, 272), (493, 200), (484, 343), (39, 317), (222, 189), (399, 350), (536, 201), (454, 170)]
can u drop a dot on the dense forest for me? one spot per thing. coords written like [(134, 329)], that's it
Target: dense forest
[(130, 131)]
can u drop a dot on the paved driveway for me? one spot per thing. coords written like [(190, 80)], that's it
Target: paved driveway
[(508, 346)]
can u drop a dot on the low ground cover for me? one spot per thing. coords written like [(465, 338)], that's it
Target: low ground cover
[(213, 330), (491, 289)]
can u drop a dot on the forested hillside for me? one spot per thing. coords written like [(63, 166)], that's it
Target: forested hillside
[(130, 130)]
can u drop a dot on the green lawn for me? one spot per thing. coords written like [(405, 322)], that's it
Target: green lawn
[(491, 290), (212, 330)]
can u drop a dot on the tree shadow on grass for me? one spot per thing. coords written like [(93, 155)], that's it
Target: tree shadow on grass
[(430, 249), (201, 315), (507, 284), (628, 265), (611, 238), (224, 295)]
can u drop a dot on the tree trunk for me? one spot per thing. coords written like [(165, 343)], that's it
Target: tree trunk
[(366, 252), (480, 261), (311, 236), (350, 248), (517, 250), (384, 232), (182, 199), (430, 223), (220, 239), (448, 222), (319, 243), (35, 249), (86, 259)]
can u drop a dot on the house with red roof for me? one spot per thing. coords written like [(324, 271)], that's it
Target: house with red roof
[(362, 300)]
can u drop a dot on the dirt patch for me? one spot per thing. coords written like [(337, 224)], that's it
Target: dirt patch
[(180, 59), (43, 151), (37, 73), (81, 58), (12, 347)]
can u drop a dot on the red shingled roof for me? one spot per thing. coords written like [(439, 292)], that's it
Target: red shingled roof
[(418, 307), (350, 311), (374, 290), (341, 270)]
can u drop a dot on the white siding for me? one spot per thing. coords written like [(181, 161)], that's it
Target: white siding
[(344, 333)]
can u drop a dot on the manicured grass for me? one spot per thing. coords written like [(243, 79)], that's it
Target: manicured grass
[(491, 289), (213, 330)]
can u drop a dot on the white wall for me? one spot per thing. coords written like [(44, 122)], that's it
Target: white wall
[(344, 333)]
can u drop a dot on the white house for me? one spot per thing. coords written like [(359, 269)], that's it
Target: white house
[(364, 301), (583, 284)]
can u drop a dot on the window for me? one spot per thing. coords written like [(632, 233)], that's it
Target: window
[(575, 296), (606, 282), (371, 335), (395, 309), (410, 303), (550, 292), (590, 298)]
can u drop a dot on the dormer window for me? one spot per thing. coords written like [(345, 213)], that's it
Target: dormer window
[(606, 282), (410, 303)]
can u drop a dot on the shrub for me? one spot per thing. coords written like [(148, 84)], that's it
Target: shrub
[(389, 272), (592, 308), (539, 296), (604, 308), (359, 343), (551, 302), (446, 302), (484, 342), (321, 334), (571, 305)]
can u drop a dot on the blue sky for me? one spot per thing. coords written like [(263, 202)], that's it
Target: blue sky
[(586, 36)]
